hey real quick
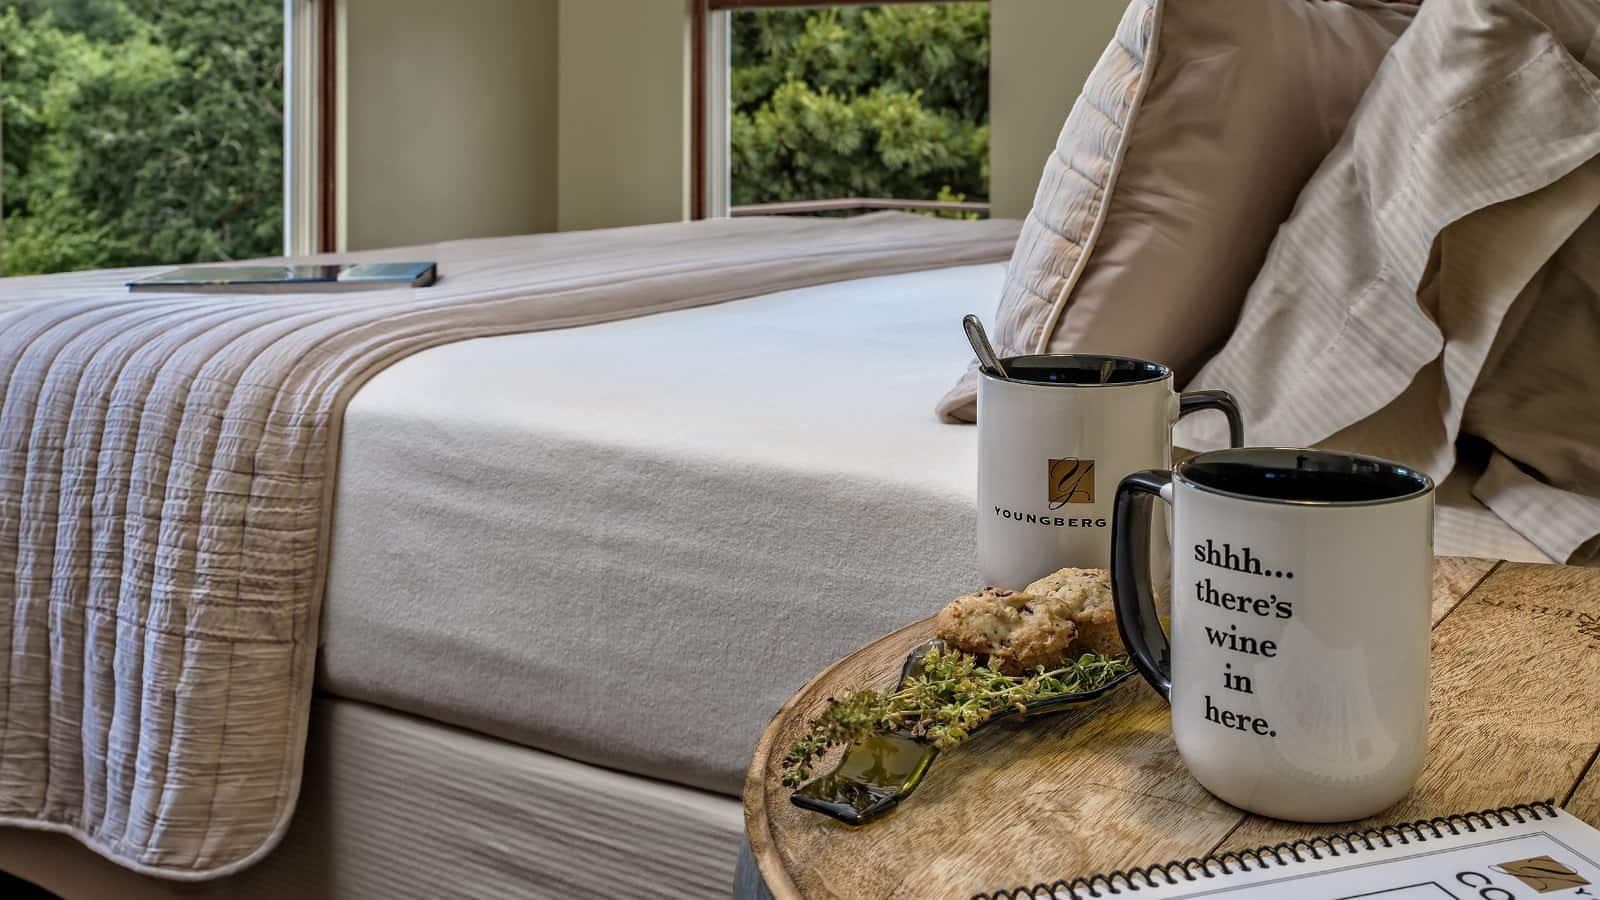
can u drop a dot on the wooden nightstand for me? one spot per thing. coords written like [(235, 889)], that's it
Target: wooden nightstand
[(1515, 716)]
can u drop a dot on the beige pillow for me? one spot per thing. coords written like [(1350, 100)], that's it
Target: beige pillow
[(1180, 159)]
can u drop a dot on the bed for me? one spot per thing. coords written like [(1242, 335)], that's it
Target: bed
[(563, 577), (560, 607)]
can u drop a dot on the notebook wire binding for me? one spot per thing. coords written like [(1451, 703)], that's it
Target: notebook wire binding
[(1197, 868)]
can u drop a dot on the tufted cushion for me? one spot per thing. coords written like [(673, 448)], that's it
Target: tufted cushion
[(1185, 151)]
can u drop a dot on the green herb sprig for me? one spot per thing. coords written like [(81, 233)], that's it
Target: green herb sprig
[(948, 697)]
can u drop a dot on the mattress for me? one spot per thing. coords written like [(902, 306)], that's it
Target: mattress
[(397, 807), (629, 543)]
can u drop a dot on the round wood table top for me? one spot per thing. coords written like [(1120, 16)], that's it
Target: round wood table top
[(1514, 717)]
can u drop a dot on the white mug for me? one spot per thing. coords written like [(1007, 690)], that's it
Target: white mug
[(1297, 666), (1053, 441)]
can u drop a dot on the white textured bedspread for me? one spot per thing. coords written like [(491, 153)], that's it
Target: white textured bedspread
[(165, 485)]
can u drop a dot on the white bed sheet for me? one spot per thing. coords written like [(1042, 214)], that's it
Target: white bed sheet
[(629, 543)]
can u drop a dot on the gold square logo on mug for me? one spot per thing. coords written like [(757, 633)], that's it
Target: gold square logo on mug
[(1071, 481)]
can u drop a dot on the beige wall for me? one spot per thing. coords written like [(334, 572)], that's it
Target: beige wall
[(1040, 53), (450, 117), (623, 121), (489, 117)]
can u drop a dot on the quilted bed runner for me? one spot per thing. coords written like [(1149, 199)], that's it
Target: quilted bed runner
[(166, 475)]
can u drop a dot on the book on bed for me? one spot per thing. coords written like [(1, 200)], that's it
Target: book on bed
[(286, 279), (1527, 850)]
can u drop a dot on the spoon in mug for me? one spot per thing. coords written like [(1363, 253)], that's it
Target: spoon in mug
[(981, 346)]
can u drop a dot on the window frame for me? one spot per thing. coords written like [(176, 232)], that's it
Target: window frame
[(311, 151)]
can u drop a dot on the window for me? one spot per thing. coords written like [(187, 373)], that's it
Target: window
[(140, 132), (843, 108)]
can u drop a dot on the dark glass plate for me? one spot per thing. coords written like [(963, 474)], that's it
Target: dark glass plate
[(874, 776)]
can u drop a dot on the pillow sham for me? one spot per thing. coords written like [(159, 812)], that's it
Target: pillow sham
[(1440, 275), (1186, 149)]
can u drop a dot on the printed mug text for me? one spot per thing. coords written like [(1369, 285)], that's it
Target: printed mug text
[(1056, 521), (1269, 606)]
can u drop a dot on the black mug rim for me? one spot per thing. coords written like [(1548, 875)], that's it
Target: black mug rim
[(1292, 458), (1158, 372)]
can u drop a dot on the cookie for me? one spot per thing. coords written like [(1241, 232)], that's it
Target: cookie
[(1017, 631), (1085, 594)]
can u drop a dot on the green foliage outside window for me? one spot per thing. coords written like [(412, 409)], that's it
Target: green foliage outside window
[(888, 101), (140, 132)]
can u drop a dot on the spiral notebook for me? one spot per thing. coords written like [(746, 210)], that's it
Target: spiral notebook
[(1529, 850)]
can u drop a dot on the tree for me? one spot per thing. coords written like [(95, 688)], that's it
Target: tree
[(140, 132), (873, 102)]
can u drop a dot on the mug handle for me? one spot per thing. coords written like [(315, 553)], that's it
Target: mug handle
[(1194, 401), (1137, 619)]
